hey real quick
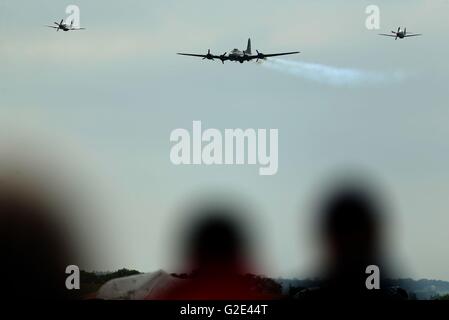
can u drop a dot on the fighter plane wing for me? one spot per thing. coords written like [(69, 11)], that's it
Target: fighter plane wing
[(74, 29), (51, 27), (388, 35), (263, 55), (413, 35)]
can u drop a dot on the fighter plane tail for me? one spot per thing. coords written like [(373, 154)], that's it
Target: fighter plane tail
[(248, 47)]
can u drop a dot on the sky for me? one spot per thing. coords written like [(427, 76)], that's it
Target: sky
[(98, 107)]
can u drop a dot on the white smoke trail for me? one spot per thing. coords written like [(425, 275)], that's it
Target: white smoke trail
[(331, 75)]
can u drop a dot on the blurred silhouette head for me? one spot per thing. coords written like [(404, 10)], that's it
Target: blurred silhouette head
[(33, 246), (351, 226), (215, 242), (217, 253), (352, 221)]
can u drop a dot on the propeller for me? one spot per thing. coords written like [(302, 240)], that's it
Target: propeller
[(260, 55), (397, 33), (59, 24), (208, 55), (222, 57)]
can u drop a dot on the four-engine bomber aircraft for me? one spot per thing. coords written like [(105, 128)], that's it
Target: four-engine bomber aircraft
[(237, 55), (65, 27), (401, 34)]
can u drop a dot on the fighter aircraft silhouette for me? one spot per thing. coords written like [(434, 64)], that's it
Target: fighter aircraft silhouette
[(238, 55), (401, 34), (65, 27)]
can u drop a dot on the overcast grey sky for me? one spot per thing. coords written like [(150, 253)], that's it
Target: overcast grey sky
[(108, 97)]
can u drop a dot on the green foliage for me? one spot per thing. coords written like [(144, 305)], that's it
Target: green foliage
[(263, 284), (92, 281), (445, 297)]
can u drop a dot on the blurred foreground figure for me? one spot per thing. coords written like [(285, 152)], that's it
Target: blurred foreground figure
[(217, 261), (351, 229), (215, 264), (34, 252)]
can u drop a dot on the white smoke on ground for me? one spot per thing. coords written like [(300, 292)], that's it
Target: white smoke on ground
[(331, 75)]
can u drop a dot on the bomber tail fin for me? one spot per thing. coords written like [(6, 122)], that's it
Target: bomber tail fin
[(248, 47)]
